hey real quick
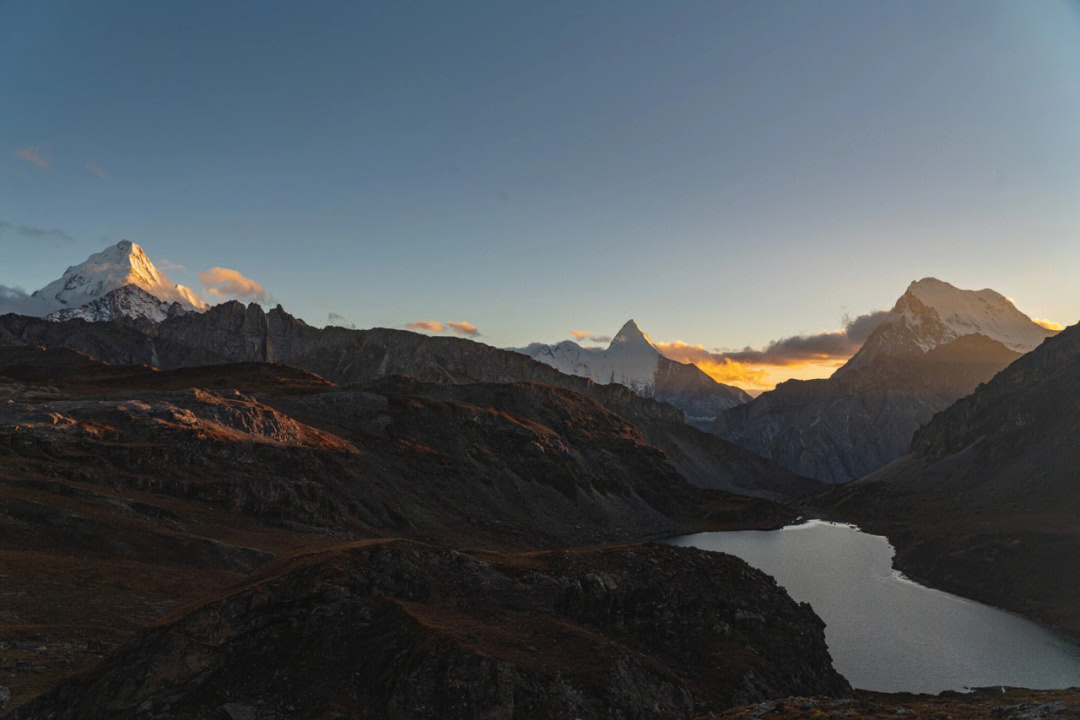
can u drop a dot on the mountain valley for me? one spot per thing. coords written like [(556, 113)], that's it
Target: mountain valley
[(247, 489), (985, 501)]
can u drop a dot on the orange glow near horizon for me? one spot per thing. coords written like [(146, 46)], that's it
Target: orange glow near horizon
[(754, 378)]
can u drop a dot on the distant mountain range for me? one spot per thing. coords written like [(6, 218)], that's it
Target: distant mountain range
[(634, 361), (232, 332), (937, 345), (122, 283)]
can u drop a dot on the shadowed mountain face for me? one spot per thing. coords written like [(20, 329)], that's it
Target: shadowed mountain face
[(986, 502), (231, 333), (127, 493), (401, 630), (449, 464), (938, 344)]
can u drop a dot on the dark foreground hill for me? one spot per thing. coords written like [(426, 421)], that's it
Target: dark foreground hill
[(394, 629), (986, 503), (127, 493), (980, 704), (232, 333)]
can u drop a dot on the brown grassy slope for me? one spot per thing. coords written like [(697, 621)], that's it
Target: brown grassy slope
[(126, 493)]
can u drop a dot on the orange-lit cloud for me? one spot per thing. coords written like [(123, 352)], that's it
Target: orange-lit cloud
[(584, 336), (220, 283), (801, 357), (433, 326), (34, 156), (1049, 324), (751, 376), (166, 264), (92, 167), (821, 347), (463, 328)]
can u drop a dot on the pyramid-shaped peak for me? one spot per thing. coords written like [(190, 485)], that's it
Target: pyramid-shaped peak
[(124, 249), (115, 267), (631, 336)]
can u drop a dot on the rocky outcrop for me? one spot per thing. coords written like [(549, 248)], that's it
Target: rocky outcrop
[(980, 704), (984, 503), (129, 302), (395, 629), (231, 333)]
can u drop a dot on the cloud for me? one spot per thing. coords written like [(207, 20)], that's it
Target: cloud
[(434, 326), (35, 233), (166, 264), (1049, 324), (220, 283), (583, 336), (33, 156), (12, 299), (717, 366), (752, 377), (826, 346), (463, 328), (339, 321), (802, 356), (17, 300), (92, 167)]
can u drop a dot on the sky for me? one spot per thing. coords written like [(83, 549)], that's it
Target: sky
[(728, 174)]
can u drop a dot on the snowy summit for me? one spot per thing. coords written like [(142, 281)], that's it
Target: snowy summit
[(932, 313), (119, 281), (634, 361)]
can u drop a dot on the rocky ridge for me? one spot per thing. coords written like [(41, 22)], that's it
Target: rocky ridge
[(231, 332), (395, 629)]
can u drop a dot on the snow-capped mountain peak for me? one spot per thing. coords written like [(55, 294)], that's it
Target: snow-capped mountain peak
[(633, 360), (111, 269), (932, 312), (631, 336), (987, 312), (118, 281)]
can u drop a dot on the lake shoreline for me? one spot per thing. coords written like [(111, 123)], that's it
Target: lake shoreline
[(887, 630)]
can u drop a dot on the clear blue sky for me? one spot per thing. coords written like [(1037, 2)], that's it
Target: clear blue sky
[(725, 173)]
